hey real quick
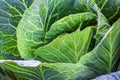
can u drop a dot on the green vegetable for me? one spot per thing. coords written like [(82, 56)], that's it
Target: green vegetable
[(74, 39)]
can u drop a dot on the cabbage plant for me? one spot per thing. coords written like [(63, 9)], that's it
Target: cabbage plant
[(73, 39)]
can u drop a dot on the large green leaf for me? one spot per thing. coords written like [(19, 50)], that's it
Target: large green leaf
[(68, 48), (50, 71), (103, 59), (38, 25), (10, 14)]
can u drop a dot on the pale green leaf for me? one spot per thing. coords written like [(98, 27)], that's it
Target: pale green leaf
[(68, 48)]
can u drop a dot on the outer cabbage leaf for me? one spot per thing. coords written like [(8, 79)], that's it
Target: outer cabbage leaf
[(39, 26), (50, 71), (11, 12), (103, 58), (68, 48)]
